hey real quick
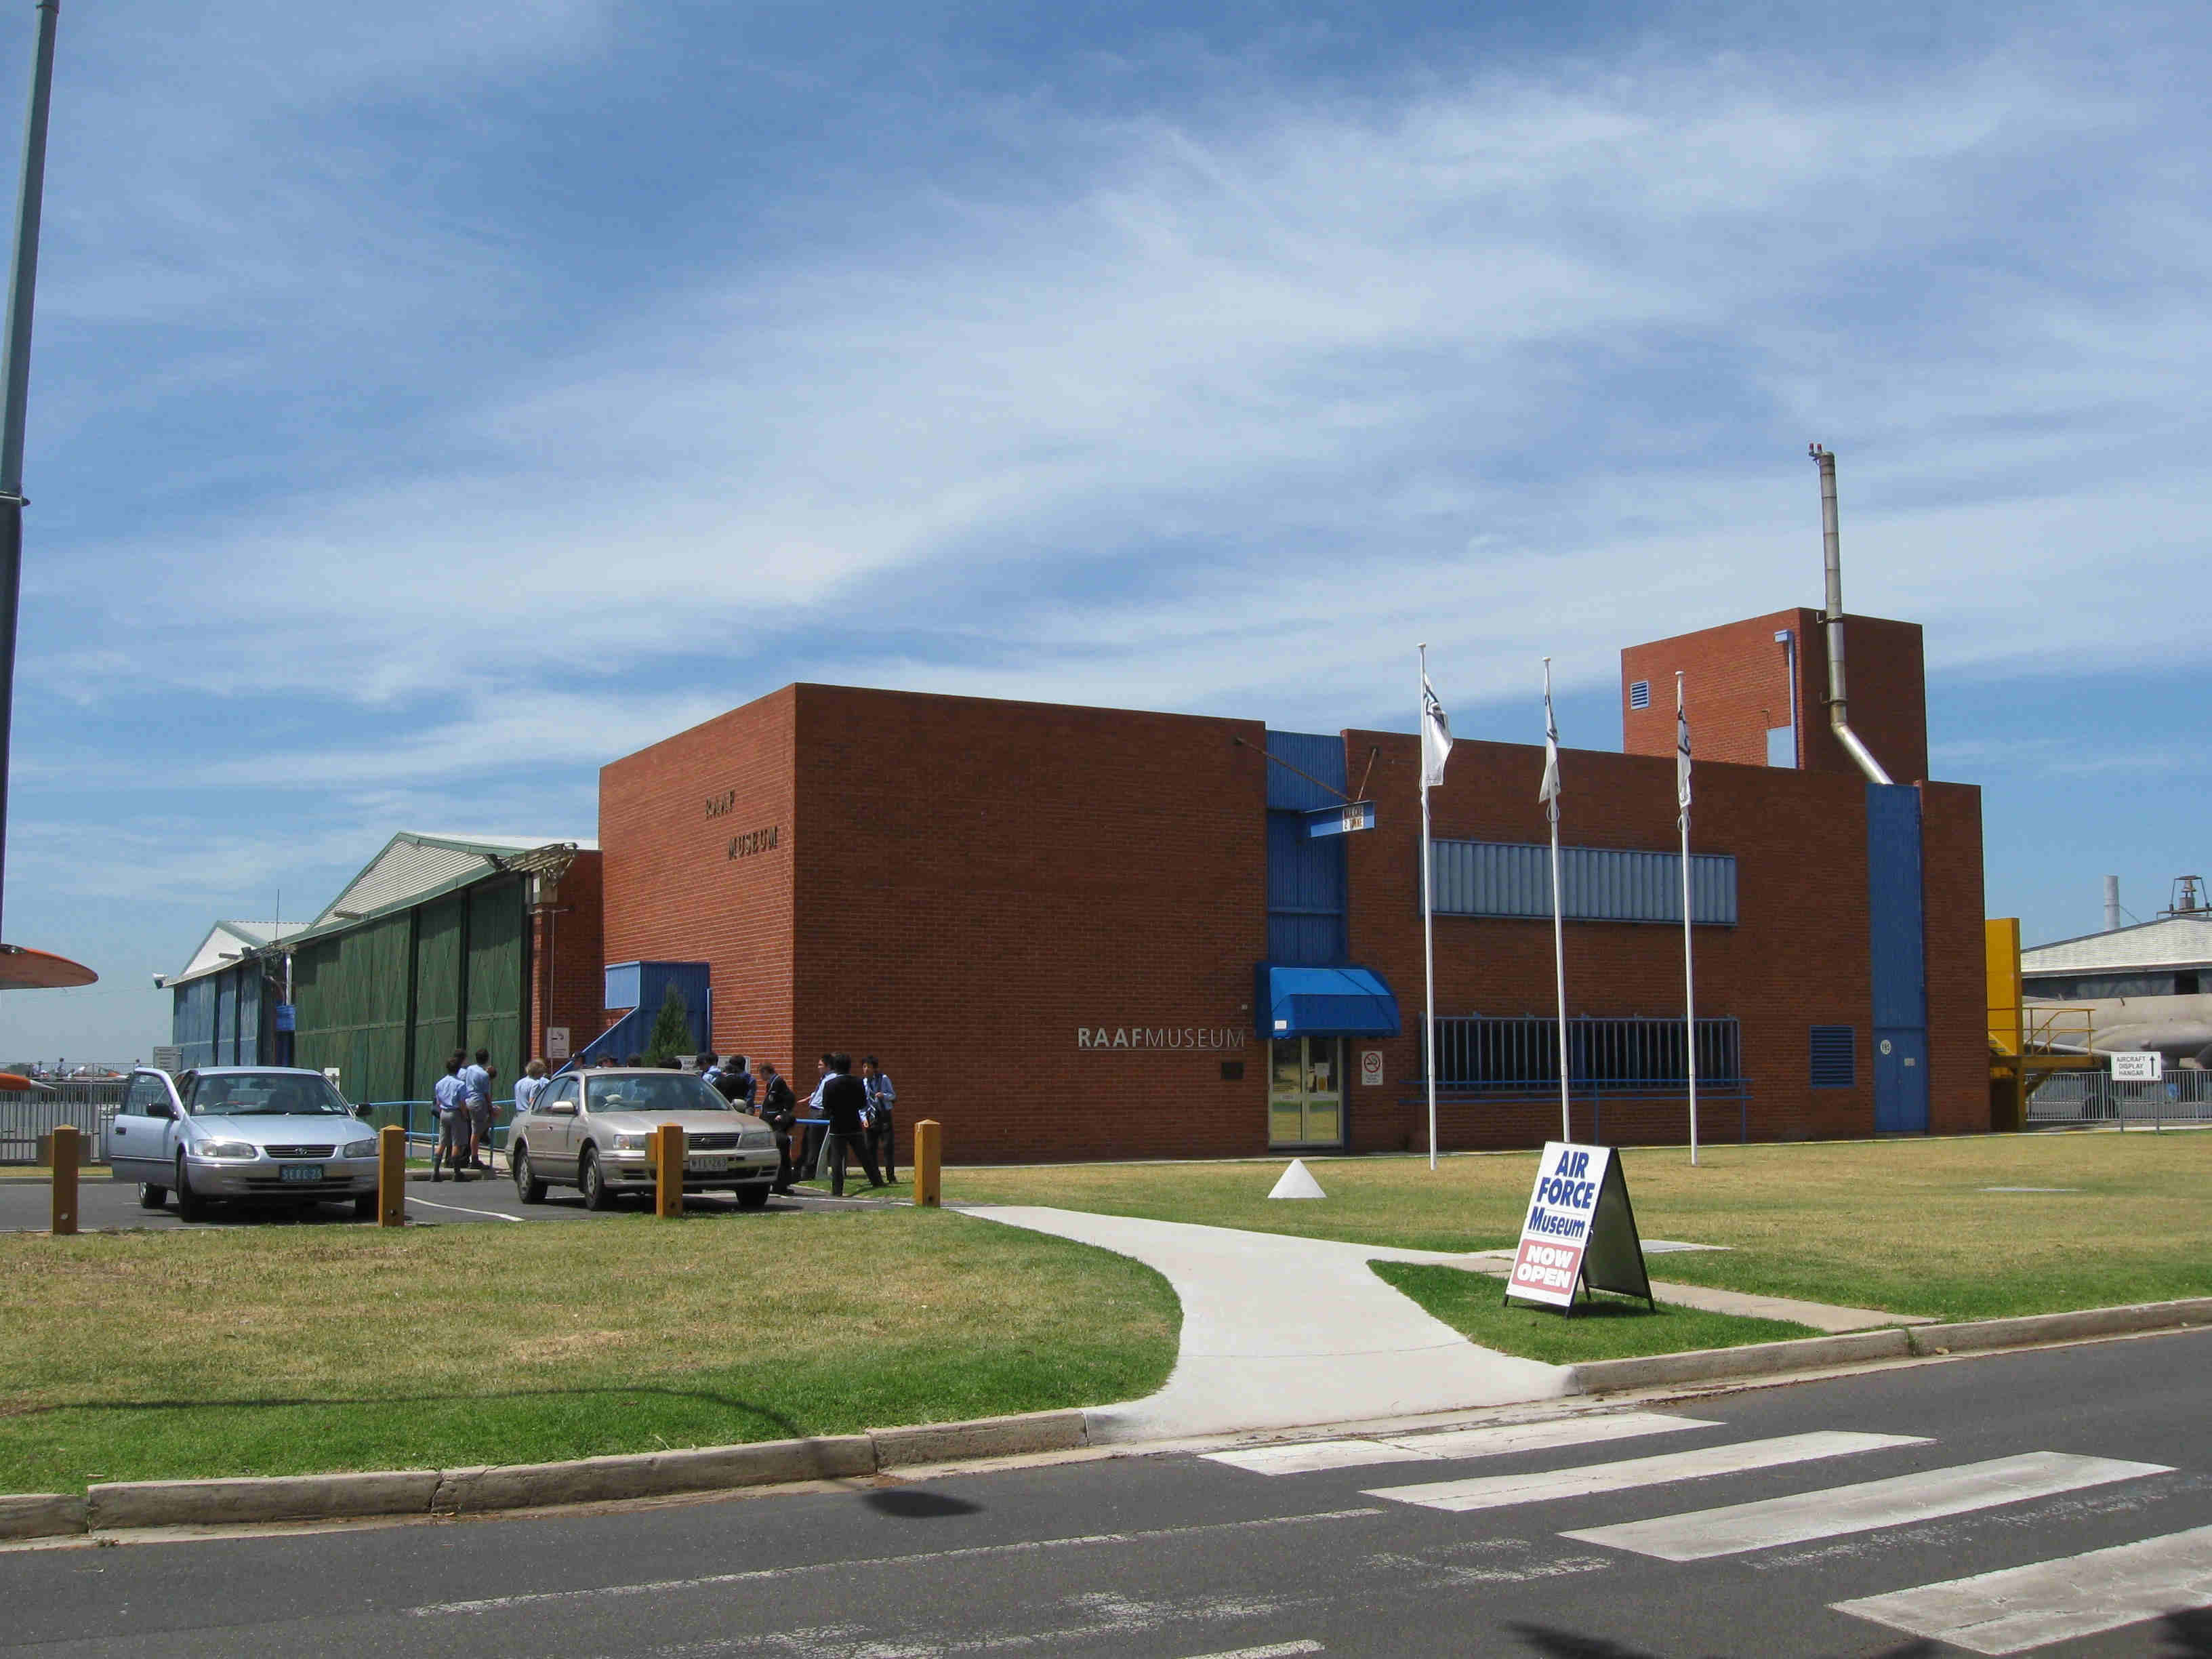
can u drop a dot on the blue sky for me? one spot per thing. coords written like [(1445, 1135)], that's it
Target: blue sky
[(432, 402)]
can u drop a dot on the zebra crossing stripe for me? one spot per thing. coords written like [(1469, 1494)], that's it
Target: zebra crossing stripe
[(1698, 1534), (1493, 1440), (2018, 1609), (1497, 1491)]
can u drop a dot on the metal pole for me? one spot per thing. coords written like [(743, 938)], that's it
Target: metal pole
[(1428, 918), (1559, 935), (1689, 966), (15, 386)]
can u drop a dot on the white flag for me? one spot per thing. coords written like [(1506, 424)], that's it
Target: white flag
[(1549, 792), (1435, 737), (1681, 752)]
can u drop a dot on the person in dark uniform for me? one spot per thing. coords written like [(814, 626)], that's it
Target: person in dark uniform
[(845, 1103), (780, 1110), (882, 1098)]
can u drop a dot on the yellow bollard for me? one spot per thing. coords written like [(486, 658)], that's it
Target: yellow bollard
[(391, 1176), (66, 1159), (668, 1170), (928, 1138)]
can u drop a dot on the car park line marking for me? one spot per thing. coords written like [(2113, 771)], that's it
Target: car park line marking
[(463, 1209), (1025, 1546), (2017, 1608), (1495, 1491), (1700, 1534), (1492, 1440), (1273, 1650)]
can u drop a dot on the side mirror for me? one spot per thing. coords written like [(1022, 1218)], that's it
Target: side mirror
[(161, 1108), (565, 1109)]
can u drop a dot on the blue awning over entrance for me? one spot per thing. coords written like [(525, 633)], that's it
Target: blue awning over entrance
[(1323, 1002)]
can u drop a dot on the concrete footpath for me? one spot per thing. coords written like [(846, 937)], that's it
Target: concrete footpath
[(1280, 1332)]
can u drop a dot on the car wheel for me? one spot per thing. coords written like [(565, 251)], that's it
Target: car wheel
[(366, 1206), (528, 1187), (753, 1198), (594, 1183), (151, 1197), (191, 1206)]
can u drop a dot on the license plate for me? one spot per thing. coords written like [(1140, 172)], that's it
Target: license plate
[(299, 1172), (707, 1165)]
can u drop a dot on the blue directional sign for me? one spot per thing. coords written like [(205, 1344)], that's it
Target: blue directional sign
[(1341, 820)]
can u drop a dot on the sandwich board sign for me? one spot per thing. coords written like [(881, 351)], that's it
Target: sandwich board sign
[(1579, 1230)]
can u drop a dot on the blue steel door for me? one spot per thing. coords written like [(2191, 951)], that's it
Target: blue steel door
[(1900, 1081)]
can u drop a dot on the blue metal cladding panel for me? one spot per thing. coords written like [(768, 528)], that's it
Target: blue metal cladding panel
[(623, 979), (642, 985), (1305, 893), (1897, 959), (1306, 941), (192, 1022), (1499, 878), (1893, 905), (1323, 757)]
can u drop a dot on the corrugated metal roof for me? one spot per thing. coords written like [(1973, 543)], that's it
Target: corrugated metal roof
[(415, 863), (226, 941), (2169, 942)]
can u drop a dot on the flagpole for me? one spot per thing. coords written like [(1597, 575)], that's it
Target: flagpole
[(1689, 965), (1558, 925), (1428, 919)]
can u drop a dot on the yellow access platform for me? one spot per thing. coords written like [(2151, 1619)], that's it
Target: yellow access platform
[(2026, 1045)]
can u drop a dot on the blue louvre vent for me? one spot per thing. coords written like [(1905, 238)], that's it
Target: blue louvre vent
[(1835, 1057), (1499, 878), (1639, 694)]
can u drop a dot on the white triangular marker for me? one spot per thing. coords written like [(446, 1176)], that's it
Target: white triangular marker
[(1298, 1182)]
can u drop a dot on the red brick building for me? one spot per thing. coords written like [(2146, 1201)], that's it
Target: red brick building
[(1086, 933)]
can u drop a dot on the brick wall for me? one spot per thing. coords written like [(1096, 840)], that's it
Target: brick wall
[(961, 885), (1736, 683), (1957, 1018), (692, 876), (1796, 958), (567, 959), (978, 879)]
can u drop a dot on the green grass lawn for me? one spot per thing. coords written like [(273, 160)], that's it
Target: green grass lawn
[(1604, 1328), (280, 1350), (1901, 1225)]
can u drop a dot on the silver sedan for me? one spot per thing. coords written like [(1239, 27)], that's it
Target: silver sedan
[(241, 1131), (591, 1130)]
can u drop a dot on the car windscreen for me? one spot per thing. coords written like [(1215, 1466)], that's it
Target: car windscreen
[(668, 1091), (277, 1094)]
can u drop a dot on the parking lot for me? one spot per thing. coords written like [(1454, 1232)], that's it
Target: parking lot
[(25, 1206)]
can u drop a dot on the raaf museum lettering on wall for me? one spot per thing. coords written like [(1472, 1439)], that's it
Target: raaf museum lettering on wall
[(723, 804), (756, 841), (1161, 1036)]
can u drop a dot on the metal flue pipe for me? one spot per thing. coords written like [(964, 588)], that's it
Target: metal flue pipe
[(1832, 559), (2112, 904), (16, 384)]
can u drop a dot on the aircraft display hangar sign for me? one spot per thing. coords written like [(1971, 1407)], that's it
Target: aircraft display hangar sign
[(1579, 1230)]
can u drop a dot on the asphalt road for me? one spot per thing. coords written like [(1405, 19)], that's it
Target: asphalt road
[(25, 1206), (1990, 1465)]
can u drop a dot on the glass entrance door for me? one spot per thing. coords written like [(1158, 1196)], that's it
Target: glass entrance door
[(1305, 1092)]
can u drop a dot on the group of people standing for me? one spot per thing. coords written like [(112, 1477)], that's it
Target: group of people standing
[(853, 1116), (462, 1099), (846, 1116)]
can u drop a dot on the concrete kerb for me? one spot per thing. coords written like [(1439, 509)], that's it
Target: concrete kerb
[(136, 1505)]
